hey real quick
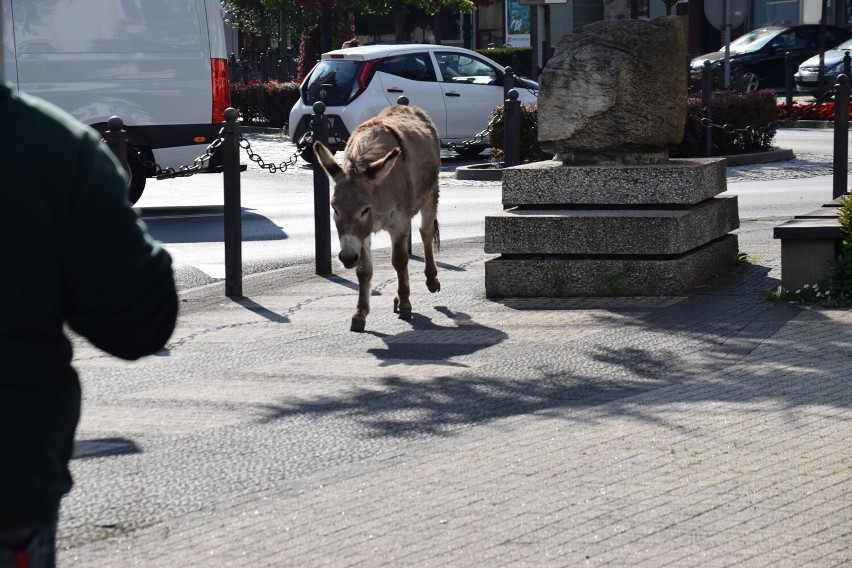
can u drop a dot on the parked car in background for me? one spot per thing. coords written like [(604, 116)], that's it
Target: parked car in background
[(761, 53), (458, 88), (806, 76)]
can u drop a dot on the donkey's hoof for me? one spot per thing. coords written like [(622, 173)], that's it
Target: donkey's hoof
[(358, 324), (404, 310), (405, 314), (433, 284)]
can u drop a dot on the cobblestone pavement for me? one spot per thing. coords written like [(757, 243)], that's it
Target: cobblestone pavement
[(710, 429)]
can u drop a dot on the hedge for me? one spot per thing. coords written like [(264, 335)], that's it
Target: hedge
[(530, 149), (264, 104), (739, 110), (812, 111)]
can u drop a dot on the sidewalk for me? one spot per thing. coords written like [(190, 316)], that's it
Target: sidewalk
[(711, 429)]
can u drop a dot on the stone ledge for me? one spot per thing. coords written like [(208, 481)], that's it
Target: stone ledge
[(607, 276), (604, 231), (677, 182)]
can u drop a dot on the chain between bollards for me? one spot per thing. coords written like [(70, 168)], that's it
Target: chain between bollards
[(841, 136), (233, 207)]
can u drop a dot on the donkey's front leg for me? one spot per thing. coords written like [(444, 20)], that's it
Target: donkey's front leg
[(399, 259), (364, 271)]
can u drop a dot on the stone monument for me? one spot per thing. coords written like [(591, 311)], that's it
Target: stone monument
[(611, 214)]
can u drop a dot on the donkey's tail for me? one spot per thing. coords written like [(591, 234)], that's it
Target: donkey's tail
[(436, 238)]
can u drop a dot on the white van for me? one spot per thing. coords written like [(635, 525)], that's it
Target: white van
[(159, 65)]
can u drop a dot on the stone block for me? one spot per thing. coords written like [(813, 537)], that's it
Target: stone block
[(616, 231), (616, 89), (677, 182), (568, 276)]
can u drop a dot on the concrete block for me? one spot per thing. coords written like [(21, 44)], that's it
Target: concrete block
[(677, 182), (806, 261), (570, 276), (619, 231)]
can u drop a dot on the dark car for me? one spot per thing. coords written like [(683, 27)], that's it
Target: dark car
[(808, 73), (761, 53)]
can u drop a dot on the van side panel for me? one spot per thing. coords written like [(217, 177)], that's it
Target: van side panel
[(216, 28), (8, 70), (143, 61)]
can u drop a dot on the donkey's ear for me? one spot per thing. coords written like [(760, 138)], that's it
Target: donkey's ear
[(379, 169), (326, 160)]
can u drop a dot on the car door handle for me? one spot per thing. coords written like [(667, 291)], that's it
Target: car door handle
[(394, 90), (453, 94)]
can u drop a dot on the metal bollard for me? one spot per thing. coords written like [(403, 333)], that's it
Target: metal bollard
[(403, 100), (233, 208), (707, 101), (322, 204), (841, 135), (788, 81), (508, 81), (739, 79), (847, 64), (116, 140), (511, 130)]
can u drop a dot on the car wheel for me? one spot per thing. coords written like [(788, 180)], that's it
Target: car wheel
[(138, 176), (469, 151)]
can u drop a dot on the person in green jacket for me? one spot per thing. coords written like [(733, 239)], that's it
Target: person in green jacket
[(72, 251)]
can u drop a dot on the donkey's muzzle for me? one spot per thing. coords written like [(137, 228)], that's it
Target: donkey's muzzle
[(349, 259)]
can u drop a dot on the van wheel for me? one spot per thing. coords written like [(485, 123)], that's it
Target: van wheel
[(138, 176)]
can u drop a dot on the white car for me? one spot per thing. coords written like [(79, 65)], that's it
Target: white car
[(457, 88)]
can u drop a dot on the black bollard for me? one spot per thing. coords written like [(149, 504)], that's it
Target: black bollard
[(508, 81), (841, 135), (707, 101), (403, 100), (788, 81), (847, 64), (322, 204), (511, 130), (233, 208)]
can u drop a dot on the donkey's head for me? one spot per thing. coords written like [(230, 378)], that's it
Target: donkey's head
[(352, 200)]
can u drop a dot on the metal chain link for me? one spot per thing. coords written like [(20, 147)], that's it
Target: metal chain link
[(730, 129), (271, 168), (477, 138)]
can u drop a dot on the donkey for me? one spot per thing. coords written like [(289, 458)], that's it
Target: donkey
[(389, 174)]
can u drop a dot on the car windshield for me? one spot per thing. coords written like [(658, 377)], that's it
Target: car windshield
[(331, 81), (753, 41)]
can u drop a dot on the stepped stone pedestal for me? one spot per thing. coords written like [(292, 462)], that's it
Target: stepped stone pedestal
[(609, 230), (612, 214)]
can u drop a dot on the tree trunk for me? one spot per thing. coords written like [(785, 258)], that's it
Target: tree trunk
[(399, 23)]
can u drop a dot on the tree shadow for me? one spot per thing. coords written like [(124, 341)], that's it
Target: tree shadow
[(721, 343)]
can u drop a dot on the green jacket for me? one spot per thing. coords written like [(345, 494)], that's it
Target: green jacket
[(73, 251)]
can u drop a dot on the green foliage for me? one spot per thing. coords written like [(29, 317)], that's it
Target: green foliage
[(518, 58), (530, 150), (735, 112), (266, 104)]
